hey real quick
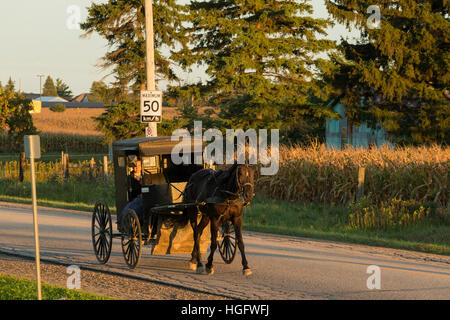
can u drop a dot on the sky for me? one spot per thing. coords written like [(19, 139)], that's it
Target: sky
[(37, 37)]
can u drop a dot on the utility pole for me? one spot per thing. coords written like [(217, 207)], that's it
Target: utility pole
[(151, 83), (40, 76)]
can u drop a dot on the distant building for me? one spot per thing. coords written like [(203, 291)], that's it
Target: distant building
[(84, 97), (338, 134), (51, 99), (80, 101)]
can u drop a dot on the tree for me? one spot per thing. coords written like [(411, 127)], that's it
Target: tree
[(10, 86), (63, 89), (121, 121), (397, 71), (261, 57), (99, 92), (49, 89), (15, 117), (122, 24)]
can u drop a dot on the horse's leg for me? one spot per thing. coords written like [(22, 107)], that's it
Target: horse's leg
[(237, 222), (203, 223), (214, 231), (193, 222)]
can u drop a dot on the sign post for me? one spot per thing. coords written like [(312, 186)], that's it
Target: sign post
[(151, 84), (33, 151)]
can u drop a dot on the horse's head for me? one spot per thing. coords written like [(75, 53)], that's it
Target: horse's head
[(246, 177)]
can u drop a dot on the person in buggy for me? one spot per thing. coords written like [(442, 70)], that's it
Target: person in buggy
[(134, 190)]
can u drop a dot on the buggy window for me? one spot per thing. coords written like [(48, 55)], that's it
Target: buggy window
[(178, 173)]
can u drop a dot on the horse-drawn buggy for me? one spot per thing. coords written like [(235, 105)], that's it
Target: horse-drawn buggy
[(167, 206)]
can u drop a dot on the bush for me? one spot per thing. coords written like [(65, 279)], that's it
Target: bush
[(59, 107), (390, 214)]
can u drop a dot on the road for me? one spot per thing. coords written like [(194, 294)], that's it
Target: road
[(283, 267)]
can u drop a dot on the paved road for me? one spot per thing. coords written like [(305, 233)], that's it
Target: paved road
[(283, 267)]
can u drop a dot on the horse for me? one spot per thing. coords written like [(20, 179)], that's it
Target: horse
[(222, 196)]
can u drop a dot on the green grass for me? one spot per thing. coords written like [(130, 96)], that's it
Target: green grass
[(264, 215), (13, 288), (331, 223), (76, 194)]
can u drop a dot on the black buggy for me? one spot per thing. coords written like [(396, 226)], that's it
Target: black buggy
[(161, 186)]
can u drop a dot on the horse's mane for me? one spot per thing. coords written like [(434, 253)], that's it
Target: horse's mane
[(227, 177)]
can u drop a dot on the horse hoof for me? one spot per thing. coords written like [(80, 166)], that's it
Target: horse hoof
[(247, 272), (200, 269), (210, 270), (192, 266)]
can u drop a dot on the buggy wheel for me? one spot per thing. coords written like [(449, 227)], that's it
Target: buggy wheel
[(101, 231), (227, 242), (131, 239)]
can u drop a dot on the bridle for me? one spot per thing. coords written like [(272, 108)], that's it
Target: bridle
[(240, 194)]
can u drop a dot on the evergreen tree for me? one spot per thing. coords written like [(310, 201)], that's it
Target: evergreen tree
[(261, 57), (49, 89), (101, 93), (10, 86), (122, 24), (63, 89), (397, 73)]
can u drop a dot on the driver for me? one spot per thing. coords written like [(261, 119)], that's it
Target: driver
[(134, 190)]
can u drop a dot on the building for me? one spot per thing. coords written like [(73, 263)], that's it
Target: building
[(338, 134), (80, 101)]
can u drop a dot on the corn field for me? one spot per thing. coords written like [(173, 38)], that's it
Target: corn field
[(60, 142), (316, 174)]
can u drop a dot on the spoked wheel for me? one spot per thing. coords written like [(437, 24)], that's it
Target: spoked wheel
[(131, 239), (227, 242), (102, 231)]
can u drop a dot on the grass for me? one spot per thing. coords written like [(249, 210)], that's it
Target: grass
[(76, 194), (13, 288), (331, 223), (264, 215)]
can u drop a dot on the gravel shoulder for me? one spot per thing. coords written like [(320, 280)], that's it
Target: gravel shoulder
[(114, 286)]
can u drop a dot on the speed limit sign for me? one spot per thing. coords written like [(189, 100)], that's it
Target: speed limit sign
[(151, 106)]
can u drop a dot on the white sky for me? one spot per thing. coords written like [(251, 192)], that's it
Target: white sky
[(35, 39)]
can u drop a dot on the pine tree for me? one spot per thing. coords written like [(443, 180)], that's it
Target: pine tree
[(49, 89), (397, 72), (261, 57), (63, 89), (10, 86), (122, 24)]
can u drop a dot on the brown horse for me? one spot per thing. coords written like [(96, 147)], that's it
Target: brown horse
[(226, 193)]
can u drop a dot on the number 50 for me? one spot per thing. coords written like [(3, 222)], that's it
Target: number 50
[(154, 106)]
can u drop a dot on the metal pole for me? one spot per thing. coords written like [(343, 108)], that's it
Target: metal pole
[(151, 83), (35, 222)]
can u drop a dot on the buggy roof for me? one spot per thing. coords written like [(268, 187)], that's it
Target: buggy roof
[(156, 145)]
